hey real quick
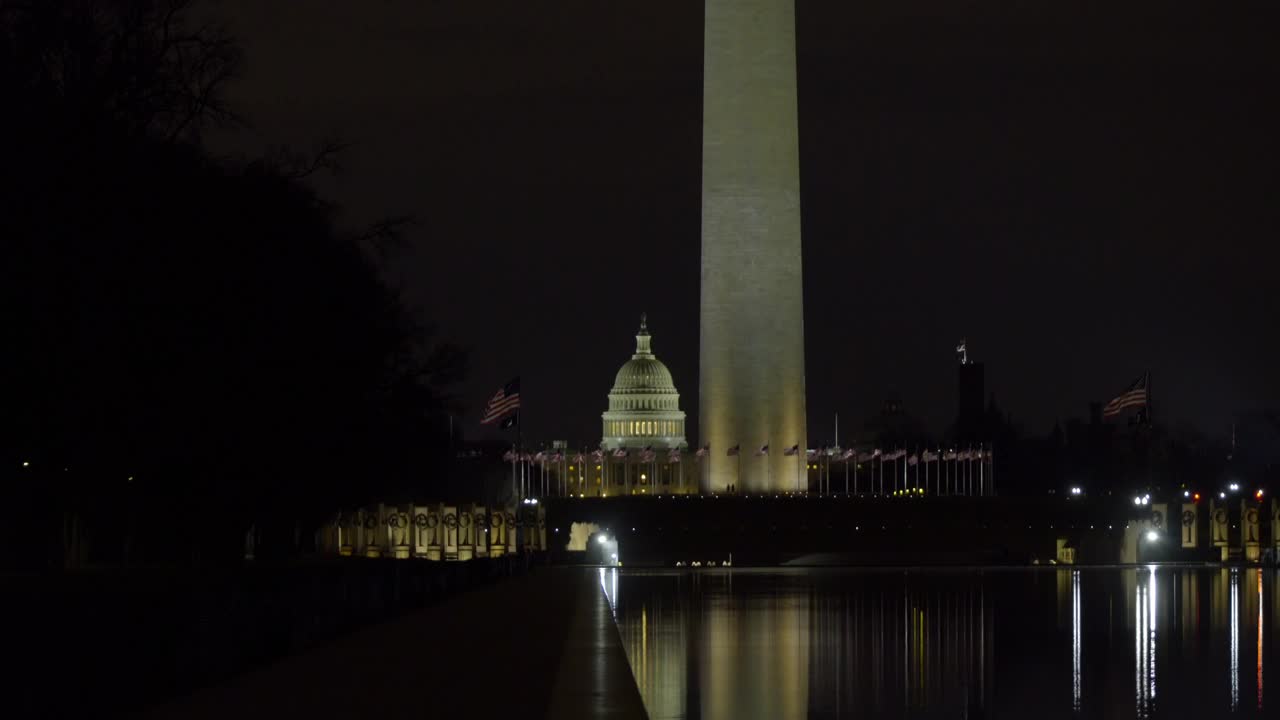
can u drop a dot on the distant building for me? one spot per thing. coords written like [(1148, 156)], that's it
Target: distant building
[(971, 393), (644, 413), (644, 405)]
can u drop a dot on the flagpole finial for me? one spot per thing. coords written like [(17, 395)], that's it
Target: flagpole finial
[(644, 322)]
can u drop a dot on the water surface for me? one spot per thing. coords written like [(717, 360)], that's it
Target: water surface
[(1107, 642)]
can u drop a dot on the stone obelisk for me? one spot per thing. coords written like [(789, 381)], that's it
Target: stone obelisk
[(751, 385)]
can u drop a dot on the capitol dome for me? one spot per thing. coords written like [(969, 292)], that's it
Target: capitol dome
[(644, 405)]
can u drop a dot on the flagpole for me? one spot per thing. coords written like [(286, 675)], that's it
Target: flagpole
[(993, 471), (982, 472)]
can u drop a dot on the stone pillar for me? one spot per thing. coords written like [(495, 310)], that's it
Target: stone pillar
[(751, 383), (1190, 525), (449, 524), (1275, 524), (513, 536), (1219, 527), (482, 535), (1250, 531)]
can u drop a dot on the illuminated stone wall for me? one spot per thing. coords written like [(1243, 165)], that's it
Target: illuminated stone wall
[(751, 383)]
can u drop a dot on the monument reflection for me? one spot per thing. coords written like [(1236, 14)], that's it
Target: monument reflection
[(829, 643)]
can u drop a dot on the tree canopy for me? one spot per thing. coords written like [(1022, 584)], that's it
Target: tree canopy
[(189, 337)]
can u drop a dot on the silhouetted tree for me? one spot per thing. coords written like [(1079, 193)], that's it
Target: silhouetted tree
[(193, 346)]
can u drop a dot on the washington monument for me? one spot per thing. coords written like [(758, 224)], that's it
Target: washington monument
[(751, 385)]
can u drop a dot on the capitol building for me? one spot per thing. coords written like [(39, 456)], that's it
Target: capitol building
[(643, 431), (644, 405)]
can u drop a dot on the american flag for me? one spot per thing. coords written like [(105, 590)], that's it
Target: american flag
[(540, 457), (511, 456), (792, 451), (895, 455), (868, 457), (734, 450), (579, 458), (598, 455), (929, 456), (673, 455), (503, 404), (620, 453), (949, 455), (849, 454), (647, 454), (1135, 396), (703, 451), (912, 459), (764, 450)]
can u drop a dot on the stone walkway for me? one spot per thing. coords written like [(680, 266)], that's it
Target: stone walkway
[(543, 645)]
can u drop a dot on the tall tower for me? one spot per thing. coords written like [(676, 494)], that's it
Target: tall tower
[(751, 385)]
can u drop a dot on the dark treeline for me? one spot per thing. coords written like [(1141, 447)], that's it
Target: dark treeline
[(191, 347), (1125, 455)]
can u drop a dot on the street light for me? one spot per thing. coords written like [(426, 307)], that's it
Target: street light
[(1152, 536)]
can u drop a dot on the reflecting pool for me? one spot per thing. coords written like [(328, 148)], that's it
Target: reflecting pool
[(1096, 642)]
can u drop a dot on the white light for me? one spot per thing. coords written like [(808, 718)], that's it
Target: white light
[(1075, 491), (602, 539), (1222, 494), (1186, 493), (1233, 487), (1137, 501), (1152, 536)]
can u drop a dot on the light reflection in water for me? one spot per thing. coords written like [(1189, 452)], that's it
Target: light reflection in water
[(1235, 639), (748, 644), (1259, 639), (609, 583), (1076, 649), (1144, 638)]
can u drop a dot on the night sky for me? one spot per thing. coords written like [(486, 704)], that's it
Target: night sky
[(1084, 191)]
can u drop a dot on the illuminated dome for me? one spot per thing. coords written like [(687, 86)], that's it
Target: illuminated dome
[(644, 406)]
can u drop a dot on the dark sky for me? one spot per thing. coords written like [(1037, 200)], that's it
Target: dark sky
[(1083, 190)]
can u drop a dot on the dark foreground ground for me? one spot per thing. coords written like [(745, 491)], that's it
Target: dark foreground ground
[(111, 641), (541, 645)]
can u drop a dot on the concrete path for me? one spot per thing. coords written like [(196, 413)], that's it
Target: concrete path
[(544, 645)]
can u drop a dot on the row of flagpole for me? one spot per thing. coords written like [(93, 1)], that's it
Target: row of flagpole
[(954, 475)]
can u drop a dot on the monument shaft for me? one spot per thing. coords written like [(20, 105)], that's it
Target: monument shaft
[(751, 385)]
